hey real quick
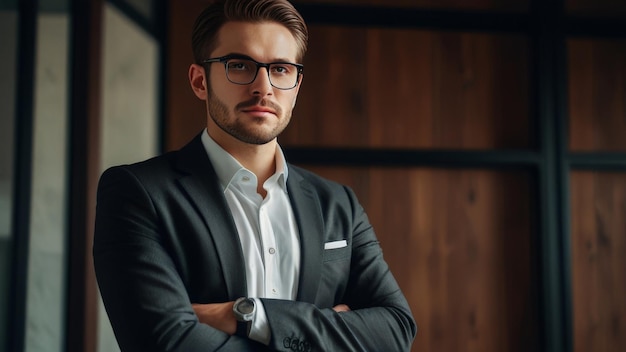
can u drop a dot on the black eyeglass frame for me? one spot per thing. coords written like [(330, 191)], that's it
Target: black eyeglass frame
[(224, 60)]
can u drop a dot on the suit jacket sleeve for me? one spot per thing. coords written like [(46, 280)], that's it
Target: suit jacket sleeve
[(144, 296), (380, 318)]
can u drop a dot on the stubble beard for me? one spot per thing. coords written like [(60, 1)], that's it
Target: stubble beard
[(247, 133)]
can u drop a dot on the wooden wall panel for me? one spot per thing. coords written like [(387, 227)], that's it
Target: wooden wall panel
[(597, 94), (185, 115), (596, 8), (501, 5), (599, 261), (331, 110), (396, 88), (459, 244)]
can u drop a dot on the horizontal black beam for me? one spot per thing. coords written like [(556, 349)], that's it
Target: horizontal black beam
[(451, 20), (395, 17), (615, 161), (595, 27), (413, 158)]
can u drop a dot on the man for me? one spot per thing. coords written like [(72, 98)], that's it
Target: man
[(223, 245)]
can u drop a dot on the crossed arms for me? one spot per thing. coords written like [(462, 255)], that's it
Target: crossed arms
[(163, 289)]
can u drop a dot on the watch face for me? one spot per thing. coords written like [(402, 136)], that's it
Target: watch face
[(246, 306)]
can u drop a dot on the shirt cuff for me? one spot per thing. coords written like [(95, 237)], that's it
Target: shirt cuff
[(260, 329)]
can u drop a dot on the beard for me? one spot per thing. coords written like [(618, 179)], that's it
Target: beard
[(251, 132)]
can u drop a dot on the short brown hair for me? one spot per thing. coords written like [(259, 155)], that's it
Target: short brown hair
[(209, 22)]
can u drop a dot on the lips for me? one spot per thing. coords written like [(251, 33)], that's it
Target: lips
[(259, 106), (259, 109)]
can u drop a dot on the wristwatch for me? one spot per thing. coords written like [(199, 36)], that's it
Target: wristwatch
[(244, 310)]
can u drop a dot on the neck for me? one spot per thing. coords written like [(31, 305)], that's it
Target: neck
[(259, 159)]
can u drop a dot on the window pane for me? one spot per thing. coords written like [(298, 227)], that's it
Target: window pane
[(45, 312)]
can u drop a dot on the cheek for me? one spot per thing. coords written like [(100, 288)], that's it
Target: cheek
[(288, 102), (225, 96)]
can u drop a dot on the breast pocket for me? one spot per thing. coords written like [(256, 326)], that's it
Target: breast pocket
[(336, 250)]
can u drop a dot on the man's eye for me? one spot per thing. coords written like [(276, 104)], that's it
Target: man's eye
[(280, 69), (239, 65)]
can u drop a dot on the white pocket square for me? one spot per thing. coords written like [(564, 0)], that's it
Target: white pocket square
[(335, 244)]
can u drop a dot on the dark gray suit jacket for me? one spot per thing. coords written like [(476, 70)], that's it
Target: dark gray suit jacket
[(165, 238)]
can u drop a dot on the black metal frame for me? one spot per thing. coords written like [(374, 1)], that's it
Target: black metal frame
[(27, 31)]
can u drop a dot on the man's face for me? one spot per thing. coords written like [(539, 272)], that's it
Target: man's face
[(258, 112)]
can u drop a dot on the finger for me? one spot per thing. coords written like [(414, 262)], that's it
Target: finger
[(341, 308)]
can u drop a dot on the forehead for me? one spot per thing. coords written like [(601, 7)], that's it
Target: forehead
[(263, 41)]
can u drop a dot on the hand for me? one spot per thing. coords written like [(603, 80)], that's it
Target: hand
[(341, 308), (217, 315)]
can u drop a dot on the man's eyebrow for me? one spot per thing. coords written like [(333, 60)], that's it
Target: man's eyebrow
[(236, 55)]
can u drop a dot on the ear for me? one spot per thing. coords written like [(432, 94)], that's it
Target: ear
[(197, 80)]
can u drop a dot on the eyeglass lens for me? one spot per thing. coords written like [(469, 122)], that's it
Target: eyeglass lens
[(282, 75)]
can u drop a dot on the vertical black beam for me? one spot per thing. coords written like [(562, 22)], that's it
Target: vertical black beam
[(162, 25), (85, 63), (549, 72), (25, 87), (561, 138)]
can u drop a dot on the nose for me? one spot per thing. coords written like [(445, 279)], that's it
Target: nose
[(261, 85)]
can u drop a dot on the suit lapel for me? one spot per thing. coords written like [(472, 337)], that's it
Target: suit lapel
[(199, 181), (306, 209), (201, 185)]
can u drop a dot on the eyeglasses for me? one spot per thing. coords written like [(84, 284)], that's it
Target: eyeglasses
[(243, 70)]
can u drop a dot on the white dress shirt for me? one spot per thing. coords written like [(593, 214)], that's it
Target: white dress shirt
[(267, 230)]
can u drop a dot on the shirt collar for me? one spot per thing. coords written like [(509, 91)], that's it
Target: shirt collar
[(226, 166)]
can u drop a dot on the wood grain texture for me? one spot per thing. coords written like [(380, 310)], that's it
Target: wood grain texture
[(599, 261), (185, 115), (597, 94), (397, 88), (459, 244)]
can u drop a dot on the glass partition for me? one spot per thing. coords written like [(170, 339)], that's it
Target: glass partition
[(46, 290)]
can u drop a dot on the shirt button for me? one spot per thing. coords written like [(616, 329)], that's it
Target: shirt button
[(245, 179), (272, 251)]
